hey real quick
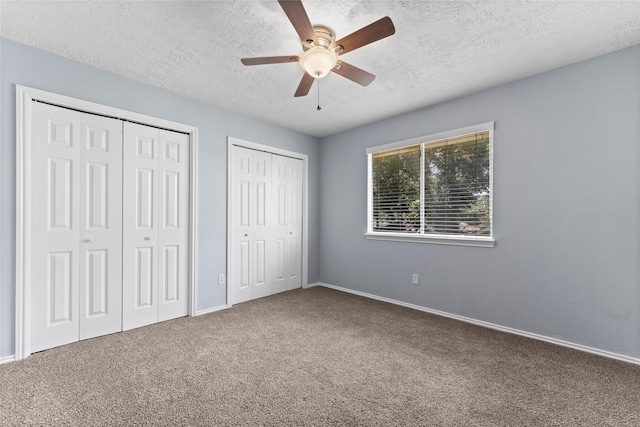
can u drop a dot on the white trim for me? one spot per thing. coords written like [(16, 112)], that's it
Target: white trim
[(7, 359), (211, 310), (23, 134), (477, 241), (482, 127), (422, 192), (311, 285), (422, 237), (563, 343), (193, 221), (370, 192), (105, 110), (266, 148), (491, 181), (24, 99), (231, 141), (229, 189), (1, 263)]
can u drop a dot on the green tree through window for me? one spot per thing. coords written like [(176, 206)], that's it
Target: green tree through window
[(454, 194), (396, 190)]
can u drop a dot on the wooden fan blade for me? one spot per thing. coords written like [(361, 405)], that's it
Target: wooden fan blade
[(298, 17), (373, 32), (269, 60), (305, 85), (354, 73)]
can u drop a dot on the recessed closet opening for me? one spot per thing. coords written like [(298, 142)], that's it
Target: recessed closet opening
[(105, 220), (267, 217)]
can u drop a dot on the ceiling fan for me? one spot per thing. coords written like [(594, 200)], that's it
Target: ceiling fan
[(321, 52)]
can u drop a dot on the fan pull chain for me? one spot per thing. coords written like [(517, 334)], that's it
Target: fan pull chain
[(319, 108)]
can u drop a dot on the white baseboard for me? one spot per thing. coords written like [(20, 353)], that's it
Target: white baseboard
[(7, 359), (211, 310), (311, 285), (489, 325)]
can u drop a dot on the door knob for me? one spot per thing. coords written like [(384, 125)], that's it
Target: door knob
[(246, 235), (87, 240), (147, 238)]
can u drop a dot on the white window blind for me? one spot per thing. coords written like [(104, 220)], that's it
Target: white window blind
[(439, 188), (396, 190), (457, 186)]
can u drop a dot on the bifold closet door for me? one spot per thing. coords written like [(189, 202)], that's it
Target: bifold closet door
[(251, 224), (294, 224), (74, 189), (266, 224), (287, 223), (155, 225)]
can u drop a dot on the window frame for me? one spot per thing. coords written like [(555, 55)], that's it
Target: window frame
[(424, 141)]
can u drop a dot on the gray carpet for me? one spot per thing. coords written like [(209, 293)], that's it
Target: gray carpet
[(317, 357)]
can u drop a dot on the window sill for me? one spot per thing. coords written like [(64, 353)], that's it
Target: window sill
[(485, 242)]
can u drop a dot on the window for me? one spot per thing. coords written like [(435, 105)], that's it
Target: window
[(435, 189)]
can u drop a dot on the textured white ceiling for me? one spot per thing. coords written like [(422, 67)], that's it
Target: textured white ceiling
[(441, 49)]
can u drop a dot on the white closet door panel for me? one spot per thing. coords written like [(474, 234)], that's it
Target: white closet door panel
[(262, 230), (294, 224), (261, 283), (294, 263), (144, 297), (173, 218), (260, 215), (240, 288), (241, 265), (101, 226), (54, 189), (140, 226), (251, 225), (280, 185), (281, 265)]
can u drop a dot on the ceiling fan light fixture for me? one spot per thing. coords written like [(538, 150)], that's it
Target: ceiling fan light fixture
[(318, 61), (321, 52)]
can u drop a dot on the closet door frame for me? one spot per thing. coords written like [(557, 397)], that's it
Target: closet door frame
[(25, 96), (231, 141)]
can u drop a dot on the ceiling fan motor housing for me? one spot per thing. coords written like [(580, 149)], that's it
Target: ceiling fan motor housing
[(325, 35)]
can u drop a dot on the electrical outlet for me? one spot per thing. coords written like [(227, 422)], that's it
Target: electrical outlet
[(220, 279), (415, 279)]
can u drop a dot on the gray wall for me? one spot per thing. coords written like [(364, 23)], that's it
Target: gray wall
[(566, 210), (30, 67), (567, 204)]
